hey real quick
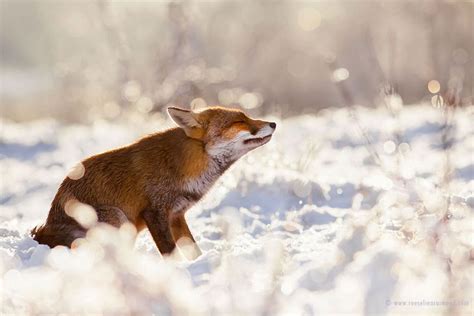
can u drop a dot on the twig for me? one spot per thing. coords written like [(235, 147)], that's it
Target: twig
[(349, 101)]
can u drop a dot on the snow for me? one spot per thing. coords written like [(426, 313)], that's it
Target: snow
[(311, 223)]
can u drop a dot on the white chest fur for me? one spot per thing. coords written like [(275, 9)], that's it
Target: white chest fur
[(201, 184)]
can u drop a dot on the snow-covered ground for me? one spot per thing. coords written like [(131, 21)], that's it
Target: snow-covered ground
[(340, 213)]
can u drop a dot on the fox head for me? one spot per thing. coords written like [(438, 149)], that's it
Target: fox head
[(225, 132)]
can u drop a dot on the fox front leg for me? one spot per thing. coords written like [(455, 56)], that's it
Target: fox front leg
[(159, 226), (183, 237)]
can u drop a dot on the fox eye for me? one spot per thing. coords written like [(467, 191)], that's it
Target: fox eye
[(239, 122)]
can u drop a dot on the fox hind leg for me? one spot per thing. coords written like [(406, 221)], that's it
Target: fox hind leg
[(111, 215)]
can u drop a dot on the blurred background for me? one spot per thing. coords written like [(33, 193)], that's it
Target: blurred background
[(79, 60)]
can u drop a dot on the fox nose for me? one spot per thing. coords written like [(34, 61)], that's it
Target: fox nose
[(273, 125)]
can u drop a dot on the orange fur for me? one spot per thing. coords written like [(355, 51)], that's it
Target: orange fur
[(152, 182)]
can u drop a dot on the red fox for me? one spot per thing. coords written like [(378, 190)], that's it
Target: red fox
[(154, 181)]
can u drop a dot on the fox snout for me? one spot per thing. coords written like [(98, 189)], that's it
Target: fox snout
[(265, 127), (272, 125)]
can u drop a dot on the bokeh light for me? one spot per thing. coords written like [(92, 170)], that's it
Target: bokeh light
[(144, 104), (309, 19), (132, 91), (389, 147), (340, 74), (434, 86), (83, 213), (198, 103), (250, 100), (77, 171)]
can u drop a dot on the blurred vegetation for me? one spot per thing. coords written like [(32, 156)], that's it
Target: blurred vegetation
[(78, 60)]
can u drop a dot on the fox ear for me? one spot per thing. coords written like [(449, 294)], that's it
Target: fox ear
[(184, 118)]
